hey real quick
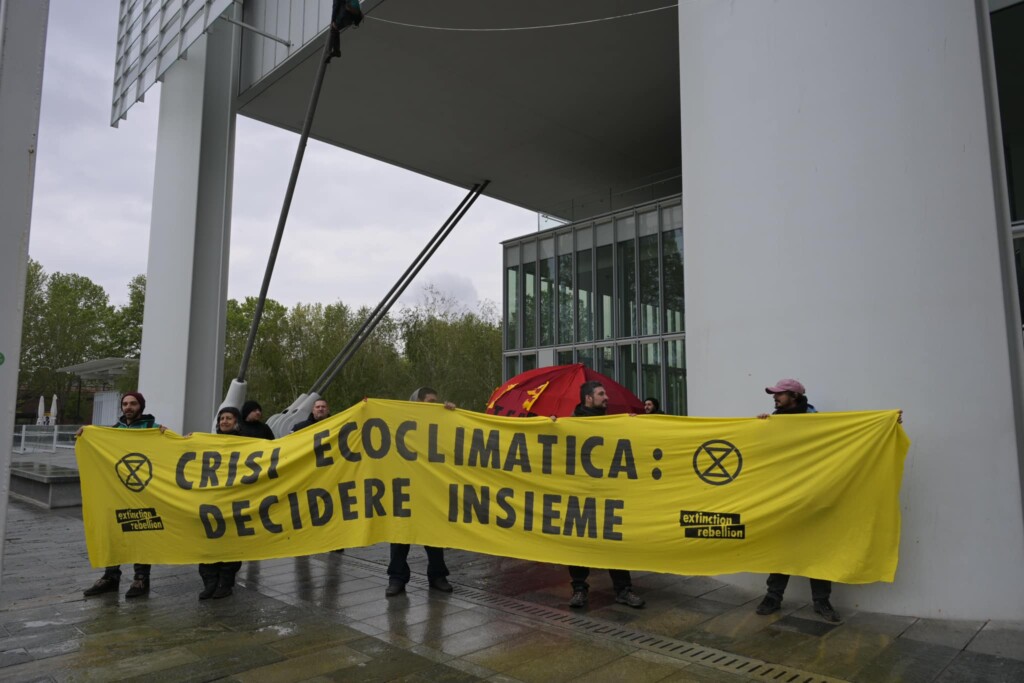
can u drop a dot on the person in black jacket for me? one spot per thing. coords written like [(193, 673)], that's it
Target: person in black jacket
[(594, 401), (252, 424), (398, 567), (219, 577), (320, 411)]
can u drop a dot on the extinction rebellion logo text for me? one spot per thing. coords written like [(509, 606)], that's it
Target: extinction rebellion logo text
[(698, 524), (139, 519)]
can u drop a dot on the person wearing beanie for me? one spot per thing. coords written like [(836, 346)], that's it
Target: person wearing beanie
[(219, 577), (252, 424), (133, 416), (398, 568)]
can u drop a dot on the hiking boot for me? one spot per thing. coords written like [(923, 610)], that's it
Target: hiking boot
[(439, 583), (770, 605), (579, 599), (825, 609), (394, 588), (140, 586), (626, 596), (104, 584)]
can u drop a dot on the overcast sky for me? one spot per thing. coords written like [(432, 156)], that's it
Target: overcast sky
[(94, 185)]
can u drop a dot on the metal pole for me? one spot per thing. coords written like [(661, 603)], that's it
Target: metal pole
[(370, 320), (296, 165), (355, 343)]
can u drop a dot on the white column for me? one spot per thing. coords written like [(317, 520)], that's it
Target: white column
[(22, 46), (845, 224), (186, 289)]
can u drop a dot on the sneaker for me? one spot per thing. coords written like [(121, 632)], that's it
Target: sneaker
[(140, 586), (626, 596), (441, 584), (825, 609), (104, 584), (578, 599), (394, 588), (770, 605)]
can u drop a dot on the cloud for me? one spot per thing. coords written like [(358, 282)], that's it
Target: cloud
[(355, 225)]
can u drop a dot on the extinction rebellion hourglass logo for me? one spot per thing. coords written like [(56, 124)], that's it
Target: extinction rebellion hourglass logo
[(136, 471), (717, 463)]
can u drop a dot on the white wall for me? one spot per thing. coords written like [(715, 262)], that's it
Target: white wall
[(841, 227)]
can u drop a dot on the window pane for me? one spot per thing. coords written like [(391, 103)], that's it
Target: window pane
[(606, 360), (650, 289), (672, 241), (511, 366), (529, 305), (627, 287), (529, 361), (604, 293), (585, 296), (547, 301), (512, 307), (565, 357), (565, 328), (586, 356), (627, 367), (651, 371), (675, 378)]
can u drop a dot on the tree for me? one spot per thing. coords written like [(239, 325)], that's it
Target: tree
[(126, 323), (67, 321), (456, 351)]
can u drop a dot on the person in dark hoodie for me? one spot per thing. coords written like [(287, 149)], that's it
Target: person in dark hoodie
[(790, 398), (252, 424), (320, 411), (219, 577), (652, 406), (593, 402), (133, 416)]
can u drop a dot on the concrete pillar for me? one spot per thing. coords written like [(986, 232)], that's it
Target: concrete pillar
[(846, 224), (22, 46), (181, 369)]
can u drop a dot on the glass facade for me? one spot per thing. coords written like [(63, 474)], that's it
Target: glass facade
[(606, 292)]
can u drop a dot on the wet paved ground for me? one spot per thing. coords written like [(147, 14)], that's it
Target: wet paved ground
[(325, 618)]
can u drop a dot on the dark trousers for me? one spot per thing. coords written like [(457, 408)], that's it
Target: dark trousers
[(114, 571), (223, 572), (620, 578), (398, 568), (820, 588)]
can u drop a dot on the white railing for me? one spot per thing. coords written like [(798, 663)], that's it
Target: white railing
[(53, 444)]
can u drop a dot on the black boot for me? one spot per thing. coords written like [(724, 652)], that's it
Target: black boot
[(208, 573)]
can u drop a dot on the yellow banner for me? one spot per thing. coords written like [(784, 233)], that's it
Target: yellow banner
[(812, 495)]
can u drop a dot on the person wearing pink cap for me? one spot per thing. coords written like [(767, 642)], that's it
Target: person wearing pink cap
[(791, 399)]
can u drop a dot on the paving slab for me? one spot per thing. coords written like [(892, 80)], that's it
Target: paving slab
[(325, 618)]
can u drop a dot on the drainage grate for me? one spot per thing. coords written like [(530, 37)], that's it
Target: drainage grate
[(680, 649)]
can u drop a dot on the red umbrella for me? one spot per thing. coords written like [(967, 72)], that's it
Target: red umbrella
[(555, 390)]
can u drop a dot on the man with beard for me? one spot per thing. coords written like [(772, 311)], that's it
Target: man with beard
[(132, 417), (593, 402), (791, 399)]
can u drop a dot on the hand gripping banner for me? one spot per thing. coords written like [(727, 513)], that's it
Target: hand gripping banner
[(812, 495)]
